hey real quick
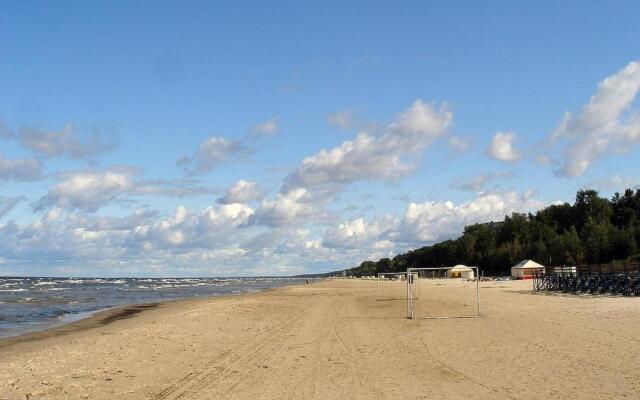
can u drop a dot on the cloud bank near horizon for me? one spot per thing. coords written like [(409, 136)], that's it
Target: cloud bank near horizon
[(97, 219)]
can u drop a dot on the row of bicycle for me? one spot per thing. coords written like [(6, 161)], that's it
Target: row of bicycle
[(626, 284)]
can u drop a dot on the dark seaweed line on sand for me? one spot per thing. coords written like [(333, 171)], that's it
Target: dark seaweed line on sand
[(100, 319)]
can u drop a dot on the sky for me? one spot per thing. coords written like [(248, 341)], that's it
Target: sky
[(200, 138)]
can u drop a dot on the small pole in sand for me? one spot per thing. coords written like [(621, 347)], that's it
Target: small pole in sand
[(478, 292)]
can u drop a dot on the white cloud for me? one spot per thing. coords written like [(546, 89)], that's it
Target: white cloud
[(65, 142), (346, 233), (375, 158), (91, 190), (292, 240), (286, 208), (423, 122), (365, 157), (97, 223), (212, 153), (502, 149), (23, 169), (355, 234), (266, 128), (50, 242), (87, 191), (423, 223), (607, 124), (432, 221), (53, 214), (213, 226), (142, 238), (242, 192), (235, 239)]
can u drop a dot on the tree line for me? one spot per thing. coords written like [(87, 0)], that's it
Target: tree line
[(592, 230)]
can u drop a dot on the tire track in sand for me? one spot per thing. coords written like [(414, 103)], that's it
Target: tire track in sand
[(455, 371), (217, 368), (353, 360), (311, 380)]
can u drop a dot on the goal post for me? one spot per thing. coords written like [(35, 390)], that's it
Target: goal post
[(391, 286), (443, 292)]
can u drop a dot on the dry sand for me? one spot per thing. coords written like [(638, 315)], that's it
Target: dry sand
[(333, 340)]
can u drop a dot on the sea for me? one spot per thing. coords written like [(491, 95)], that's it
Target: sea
[(33, 304)]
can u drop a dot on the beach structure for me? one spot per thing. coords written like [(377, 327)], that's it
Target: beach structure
[(461, 271), (526, 269)]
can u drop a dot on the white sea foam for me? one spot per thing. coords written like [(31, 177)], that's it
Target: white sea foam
[(165, 287)]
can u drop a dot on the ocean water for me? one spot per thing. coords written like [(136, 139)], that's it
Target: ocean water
[(32, 304)]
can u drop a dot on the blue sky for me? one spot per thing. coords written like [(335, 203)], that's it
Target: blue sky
[(212, 138)]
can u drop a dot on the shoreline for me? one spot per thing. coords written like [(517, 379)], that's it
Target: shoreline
[(102, 317), (95, 320), (71, 316)]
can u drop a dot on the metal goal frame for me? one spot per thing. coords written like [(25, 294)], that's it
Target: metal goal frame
[(381, 274), (413, 272)]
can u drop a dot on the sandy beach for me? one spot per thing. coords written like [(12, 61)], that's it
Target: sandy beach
[(333, 340)]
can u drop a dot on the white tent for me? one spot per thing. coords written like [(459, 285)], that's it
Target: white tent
[(461, 271), (525, 269)]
